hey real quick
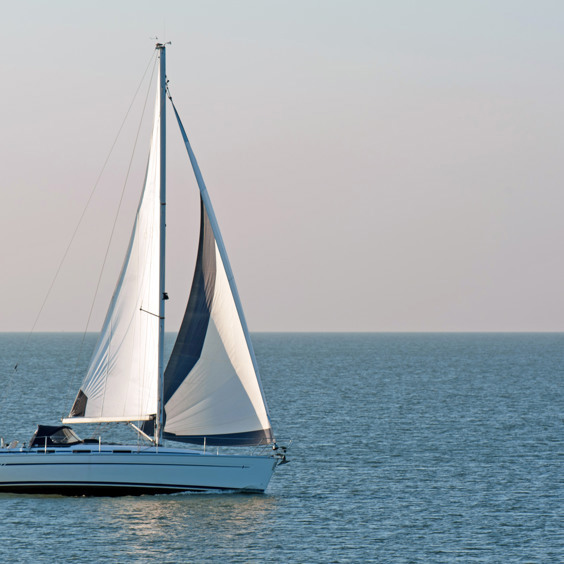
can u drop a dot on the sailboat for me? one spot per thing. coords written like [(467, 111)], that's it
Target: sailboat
[(208, 394)]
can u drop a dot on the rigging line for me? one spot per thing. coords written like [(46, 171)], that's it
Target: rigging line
[(116, 216), (24, 346)]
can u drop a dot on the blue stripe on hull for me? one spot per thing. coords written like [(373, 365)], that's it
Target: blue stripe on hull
[(107, 489), (99, 463)]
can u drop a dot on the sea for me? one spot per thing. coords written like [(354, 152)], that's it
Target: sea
[(402, 448)]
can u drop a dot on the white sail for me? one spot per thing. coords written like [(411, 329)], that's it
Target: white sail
[(122, 379), (212, 386)]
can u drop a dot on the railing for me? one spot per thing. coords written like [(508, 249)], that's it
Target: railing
[(278, 449)]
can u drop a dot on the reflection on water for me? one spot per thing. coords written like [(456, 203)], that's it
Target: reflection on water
[(139, 528), (161, 516), (159, 524)]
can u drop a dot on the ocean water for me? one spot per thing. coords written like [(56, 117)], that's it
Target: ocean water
[(406, 448)]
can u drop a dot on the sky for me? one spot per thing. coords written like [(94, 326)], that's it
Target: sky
[(374, 165)]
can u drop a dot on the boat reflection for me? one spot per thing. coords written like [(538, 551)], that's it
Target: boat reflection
[(165, 518)]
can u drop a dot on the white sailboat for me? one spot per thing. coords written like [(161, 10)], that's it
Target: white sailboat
[(208, 394)]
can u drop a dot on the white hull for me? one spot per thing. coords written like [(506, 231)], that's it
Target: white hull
[(126, 470)]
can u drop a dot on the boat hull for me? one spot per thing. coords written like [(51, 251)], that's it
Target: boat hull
[(130, 472)]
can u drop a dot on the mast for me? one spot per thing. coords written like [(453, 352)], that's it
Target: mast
[(162, 295)]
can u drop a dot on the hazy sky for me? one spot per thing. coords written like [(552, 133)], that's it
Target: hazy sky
[(374, 165)]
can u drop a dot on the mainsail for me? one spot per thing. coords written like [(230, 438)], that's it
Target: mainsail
[(122, 379)]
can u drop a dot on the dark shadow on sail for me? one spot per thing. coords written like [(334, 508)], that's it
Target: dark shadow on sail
[(190, 340), (232, 439)]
